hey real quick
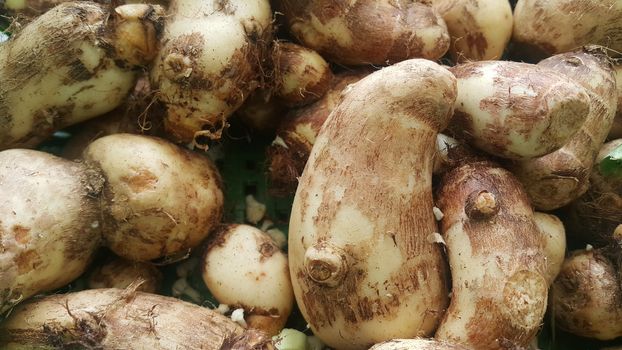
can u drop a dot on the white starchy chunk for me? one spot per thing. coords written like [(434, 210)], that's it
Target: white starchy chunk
[(438, 214), (238, 316), (255, 211)]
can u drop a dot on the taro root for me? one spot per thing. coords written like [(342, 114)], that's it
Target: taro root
[(556, 179), (416, 344), (361, 264), (123, 319), (50, 224), (554, 237), (367, 32), (479, 29), (556, 26), (302, 75), (158, 200), (210, 61), (120, 273), (73, 63), (29, 9), (243, 268), (516, 110), (497, 258), (586, 296)]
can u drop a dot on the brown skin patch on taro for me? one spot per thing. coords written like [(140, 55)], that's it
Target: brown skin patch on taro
[(461, 126), (27, 261), (249, 340), (225, 6), (477, 178), (475, 41), (464, 71), (287, 57), (487, 328), (21, 234), (141, 180), (6, 119), (216, 239), (408, 44)]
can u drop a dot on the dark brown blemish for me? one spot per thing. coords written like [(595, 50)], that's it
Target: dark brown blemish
[(267, 249), (77, 72), (478, 42)]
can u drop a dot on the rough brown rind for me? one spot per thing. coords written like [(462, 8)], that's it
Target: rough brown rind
[(558, 178), (31, 9), (362, 268), (123, 319), (49, 223), (367, 32), (496, 256)]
